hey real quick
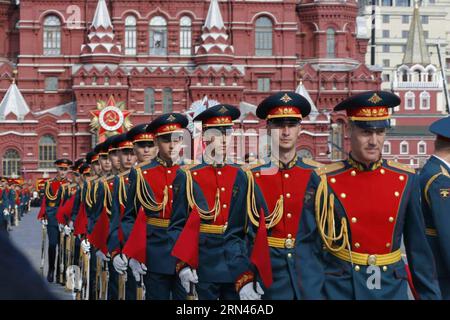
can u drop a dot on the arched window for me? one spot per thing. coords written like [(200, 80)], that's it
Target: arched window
[(263, 37), (47, 151), (11, 163), (130, 35), (424, 100), (404, 147), (149, 100), (430, 76), (167, 100), (185, 36), (158, 36), (405, 76), (410, 98), (387, 147), (331, 43), (52, 36), (422, 147)]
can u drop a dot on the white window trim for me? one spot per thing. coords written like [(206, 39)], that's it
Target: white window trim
[(404, 143), (422, 143), (422, 94), (410, 95), (388, 145)]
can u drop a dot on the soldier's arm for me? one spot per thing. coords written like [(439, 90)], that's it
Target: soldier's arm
[(180, 208), (76, 205), (439, 196), (113, 239), (236, 252), (418, 252), (308, 247), (132, 206), (98, 202)]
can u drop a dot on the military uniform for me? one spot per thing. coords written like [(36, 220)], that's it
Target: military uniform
[(205, 195), (354, 218), (278, 189), (147, 238), (3, 207), (435, 186)]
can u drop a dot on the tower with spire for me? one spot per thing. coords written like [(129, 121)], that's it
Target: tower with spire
[(419, 85)]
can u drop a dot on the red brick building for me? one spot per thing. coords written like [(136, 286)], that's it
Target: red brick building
[(161, 56)]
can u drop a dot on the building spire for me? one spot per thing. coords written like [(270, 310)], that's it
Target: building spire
[(101, 16), (416, 48), (214, 17), (13, 102)]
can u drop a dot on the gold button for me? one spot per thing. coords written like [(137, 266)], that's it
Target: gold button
[(169, 172), (396, 193), (171, 201), (382, 171), (353, 173), (224, 206), (391, 219), (333, 180), (219, 173), (145, 172), (110, 183), (289, 215), (357, 245), (354, 220), (288, 195), (401, 178), (170, 186), (343, 195), (289, 236), (195, 173), (286, 175), (289, 255), (257, 175), (126, 179), (388, 245), (357, 268), (385, 268), (222, 189)]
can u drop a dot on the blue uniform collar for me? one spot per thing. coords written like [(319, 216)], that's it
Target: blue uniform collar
[(441, 160), (363, 167)]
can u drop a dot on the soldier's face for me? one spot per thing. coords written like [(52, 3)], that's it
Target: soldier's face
[(62, 172), (127, 158), (217, 140), (145, 150), (284, 135), (169, 146), (367, 144), (114, 159), (96, 167), (105, 164)]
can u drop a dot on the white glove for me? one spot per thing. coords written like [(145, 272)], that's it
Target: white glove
[(120, 263), (60, 227), (86, 246), (138, 269), (44, 222), (16, 207), (67, 230), (101, 256), (6, 212), (248, 292), (187, 275), (71, 225)]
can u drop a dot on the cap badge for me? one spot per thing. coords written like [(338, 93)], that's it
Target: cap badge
[(285, 98), (375, 98)]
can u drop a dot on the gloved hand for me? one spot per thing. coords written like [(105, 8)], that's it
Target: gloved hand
[(101, 256), (187, 275), (120, 263), (71, 225), (44, 222), (67, 230), (6, 212), (85, 245), (60, 227), (16, 207), (137, 268), (247, 292)]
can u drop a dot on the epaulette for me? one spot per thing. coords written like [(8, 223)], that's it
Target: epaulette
[(312, 163), (123, 174), (332, 167), (445, 172), (110, 177), (400, 166), (252, 166), (188, 167), (90, 179), (139, 165)]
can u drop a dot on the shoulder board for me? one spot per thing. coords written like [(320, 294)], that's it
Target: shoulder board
[(312, 163), (123, 174), (139, 165), (445, 172), (90, 179), (188, 167), (328, 168), (110, 177), (252, 166), (400, 166)]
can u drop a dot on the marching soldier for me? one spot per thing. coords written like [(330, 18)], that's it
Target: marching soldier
[(204, 196), (143, 144), (151, 188), (276, 188), (355, 214), (4, 211), (435, 185), (47, 214)]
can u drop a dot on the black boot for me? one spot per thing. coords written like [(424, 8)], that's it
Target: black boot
[(51, 263)]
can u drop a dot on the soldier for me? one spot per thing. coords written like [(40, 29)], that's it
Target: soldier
[(435, 185), (147, 240), (277, 188), (126, 287), (4, 211), (204, 196), (47, 214), (355, 214)]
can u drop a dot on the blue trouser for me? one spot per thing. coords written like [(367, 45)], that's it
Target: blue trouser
[(113, 283), (214, 291), (162, 287)]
